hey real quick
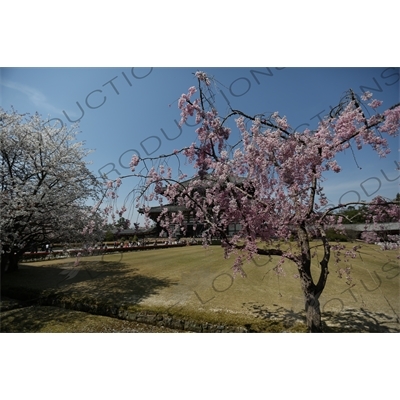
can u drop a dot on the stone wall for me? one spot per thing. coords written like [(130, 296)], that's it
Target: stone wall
[(147, 317)]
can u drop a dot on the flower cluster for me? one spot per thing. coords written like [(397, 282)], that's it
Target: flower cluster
[(202, 76), (134, 162)]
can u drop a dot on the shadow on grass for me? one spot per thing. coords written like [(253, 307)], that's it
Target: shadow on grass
[(34, 319), (278, 315), (97, 282), (361, 320), (347, 321)]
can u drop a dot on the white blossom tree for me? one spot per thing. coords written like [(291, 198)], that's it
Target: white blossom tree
[(45, 186)]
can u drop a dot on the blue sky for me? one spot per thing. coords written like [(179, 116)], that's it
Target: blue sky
[(123, 111)]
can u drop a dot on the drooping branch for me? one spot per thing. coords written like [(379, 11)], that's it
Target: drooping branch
[(323, 263)]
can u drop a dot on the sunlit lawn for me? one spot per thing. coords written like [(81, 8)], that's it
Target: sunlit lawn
[(200, 281)]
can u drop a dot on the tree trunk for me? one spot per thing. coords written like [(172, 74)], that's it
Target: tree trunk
[(313, 314), (9, 261), (311, 290)]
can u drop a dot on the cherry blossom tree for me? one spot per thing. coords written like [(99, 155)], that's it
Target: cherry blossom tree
[(45, 186), (270, 182)]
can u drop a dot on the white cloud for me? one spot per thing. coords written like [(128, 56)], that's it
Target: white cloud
[(34, 95)]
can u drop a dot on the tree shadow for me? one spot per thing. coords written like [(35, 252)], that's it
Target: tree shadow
[(7, 304), (346, 321), (361, 320), (34, 318), (278, 314), (89, 287)]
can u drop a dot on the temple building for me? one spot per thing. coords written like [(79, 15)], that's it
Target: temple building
[(192, 229)]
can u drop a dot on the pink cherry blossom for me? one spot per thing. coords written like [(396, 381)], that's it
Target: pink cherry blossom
[(375, 103), (269, 185)]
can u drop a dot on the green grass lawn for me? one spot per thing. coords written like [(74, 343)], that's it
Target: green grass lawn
[(197, 282)]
